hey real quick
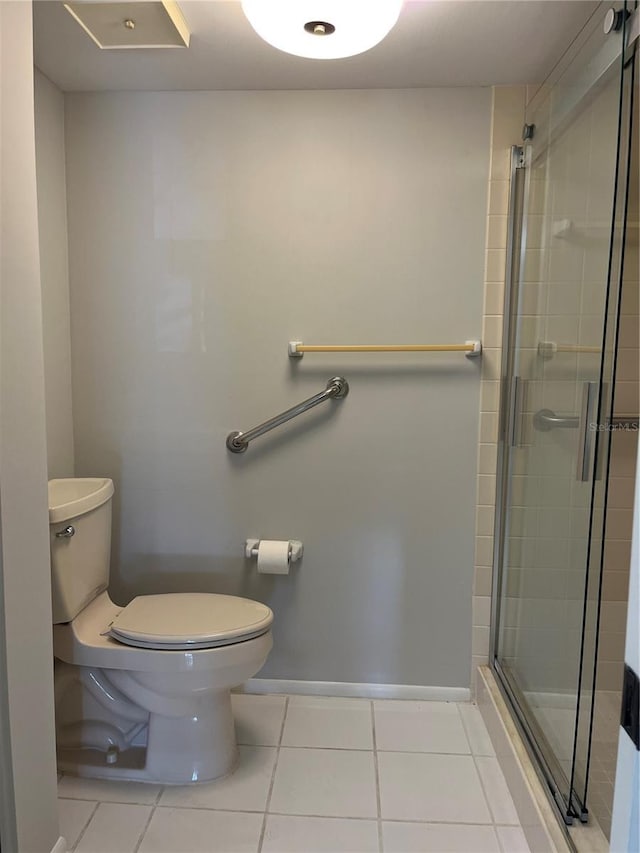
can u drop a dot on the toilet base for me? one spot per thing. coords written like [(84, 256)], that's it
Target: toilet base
[(90, 764), (179, 751), (197, 748)]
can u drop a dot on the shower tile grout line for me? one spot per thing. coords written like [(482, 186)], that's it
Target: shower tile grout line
[(273, 777)]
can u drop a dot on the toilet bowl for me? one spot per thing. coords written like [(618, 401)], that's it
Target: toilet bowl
[(142, 692)]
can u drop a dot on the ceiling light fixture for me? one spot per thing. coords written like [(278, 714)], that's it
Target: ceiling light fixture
[(322, 29)]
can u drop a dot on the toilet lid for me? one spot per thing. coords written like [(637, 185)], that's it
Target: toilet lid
[(190, 620)]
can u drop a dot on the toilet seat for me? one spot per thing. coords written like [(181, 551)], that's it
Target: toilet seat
[(191, 620)]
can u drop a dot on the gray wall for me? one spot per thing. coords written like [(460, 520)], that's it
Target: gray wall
[(52, 223), (29, 819), (206, 231)]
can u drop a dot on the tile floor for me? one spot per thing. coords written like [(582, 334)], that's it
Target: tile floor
[(317, 775)]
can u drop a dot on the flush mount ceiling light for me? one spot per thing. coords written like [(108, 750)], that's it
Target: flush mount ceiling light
[(322, 29)]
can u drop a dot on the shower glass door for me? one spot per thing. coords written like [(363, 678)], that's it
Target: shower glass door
[(558, 376)]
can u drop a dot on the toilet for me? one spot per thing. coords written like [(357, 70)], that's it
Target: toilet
[(143, 691)]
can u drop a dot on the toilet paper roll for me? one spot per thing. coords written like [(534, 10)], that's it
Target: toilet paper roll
[(273, 557)]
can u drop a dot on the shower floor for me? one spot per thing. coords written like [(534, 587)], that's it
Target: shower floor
[(558, 725), (604, 753), (317, 775)]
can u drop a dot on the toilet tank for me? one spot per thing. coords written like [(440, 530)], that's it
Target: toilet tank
[(80, 537)]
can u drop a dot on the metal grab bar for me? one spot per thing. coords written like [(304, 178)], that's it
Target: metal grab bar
[(337, 388), (546, 420)]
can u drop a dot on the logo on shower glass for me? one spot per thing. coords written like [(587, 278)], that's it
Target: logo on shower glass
[(631, 426)]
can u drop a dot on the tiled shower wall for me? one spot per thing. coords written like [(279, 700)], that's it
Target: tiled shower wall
[(624, 444), (615, 582), (507, 119)]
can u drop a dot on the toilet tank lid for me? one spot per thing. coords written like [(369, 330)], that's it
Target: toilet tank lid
[(74, 496), (190, 619)]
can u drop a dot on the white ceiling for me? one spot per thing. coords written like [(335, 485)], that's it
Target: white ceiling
[(435, 43)]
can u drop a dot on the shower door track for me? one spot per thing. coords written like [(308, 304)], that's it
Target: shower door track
[(547, 768)]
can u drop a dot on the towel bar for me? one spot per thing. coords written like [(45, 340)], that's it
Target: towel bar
[(471, 349)]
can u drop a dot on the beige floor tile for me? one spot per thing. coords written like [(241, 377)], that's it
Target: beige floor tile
[(196, 831), (285, 834), (325, 782), (419, 727), (319, 721), (438, 838), (115, 828), (429, 787)]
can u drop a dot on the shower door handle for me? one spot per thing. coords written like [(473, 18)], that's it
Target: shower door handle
[(518, 393), (547, 419), (586, 434)]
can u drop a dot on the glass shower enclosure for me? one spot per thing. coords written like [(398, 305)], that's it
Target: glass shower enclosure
[(569, 195)]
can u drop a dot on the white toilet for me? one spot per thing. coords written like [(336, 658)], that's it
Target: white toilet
[(142, 692)]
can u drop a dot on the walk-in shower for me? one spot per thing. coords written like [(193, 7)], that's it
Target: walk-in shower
[(570, 416)]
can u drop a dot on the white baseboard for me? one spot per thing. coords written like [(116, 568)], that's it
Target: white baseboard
[(60, 846), (349, 690)]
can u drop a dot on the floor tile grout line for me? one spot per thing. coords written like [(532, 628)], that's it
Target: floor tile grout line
[(377, 773), (486, 793), (228, 810), (507, 826), (500, 844), (483, 787), (263, 828), (85, 827), (351, 749), (150, 818), (331, 748), (112, 802), (390, 820), (467, 731), (465, 728), (146, 826)]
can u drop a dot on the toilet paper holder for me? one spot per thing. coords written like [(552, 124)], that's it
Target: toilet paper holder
[(296, 549)]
